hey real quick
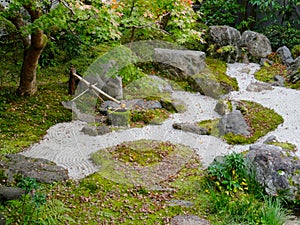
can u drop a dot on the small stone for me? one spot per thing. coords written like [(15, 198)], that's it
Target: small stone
[(279, 81), (190, 128), (270, 139), (258, 87), (188, 220), (101, 130), (89, 130)]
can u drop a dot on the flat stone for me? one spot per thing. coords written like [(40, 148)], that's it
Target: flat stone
[(183, 203), (187, 127), (90, 130), (188, 220), (258, 87)]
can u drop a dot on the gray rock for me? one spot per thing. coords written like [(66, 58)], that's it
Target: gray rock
[(173, 105), (10, 193), (277, 170), (42, 170), (89, 130), (187, 61), (257, 44), (295, 70), (104, 76), (270, 139), (223, 107), (258, 87), (101, 130), (207, 86), (279, 81), (233, 122), (183, 203), (264, 61), (187, 127), (119, 118), (285, 55), (188, 220), (227, 36)]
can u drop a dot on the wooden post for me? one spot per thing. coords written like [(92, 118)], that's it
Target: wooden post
[(72, 85)]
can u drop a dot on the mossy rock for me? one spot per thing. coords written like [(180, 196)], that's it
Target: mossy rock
[(120, 118), (146, 87), (260, 119), (213, 81)]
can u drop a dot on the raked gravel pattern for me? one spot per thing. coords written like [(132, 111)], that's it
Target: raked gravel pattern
[(68, 147)]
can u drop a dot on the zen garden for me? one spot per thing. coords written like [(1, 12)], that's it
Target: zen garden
[(173, 112)]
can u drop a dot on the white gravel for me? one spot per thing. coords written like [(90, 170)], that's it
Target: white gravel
[(68, 147)]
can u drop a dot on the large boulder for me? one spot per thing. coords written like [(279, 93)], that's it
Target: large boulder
[(225, 35), (258, 45), (285, 55), (233, 122), (227, 40), (180, 63), (277, 169)]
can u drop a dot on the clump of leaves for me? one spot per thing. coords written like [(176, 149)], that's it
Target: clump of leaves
[(229, 174), (143, 152)]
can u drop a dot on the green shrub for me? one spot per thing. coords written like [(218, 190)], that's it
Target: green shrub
[(296, 51), (282, 35)]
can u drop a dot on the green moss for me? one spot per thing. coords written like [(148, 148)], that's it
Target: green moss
[(267, 72), (295, 51), (144, 117), (144, 88), (142, 152), (211, 126), (285, 145)]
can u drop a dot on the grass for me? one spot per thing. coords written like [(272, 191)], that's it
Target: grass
[(261, 120)]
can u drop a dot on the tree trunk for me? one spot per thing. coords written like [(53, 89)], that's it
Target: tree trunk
[(31, 57)]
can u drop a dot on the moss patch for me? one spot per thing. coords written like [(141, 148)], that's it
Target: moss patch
[(140, 118), (267, 72), (260, 119), (143, 162), (285, 145), (142, 152)]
